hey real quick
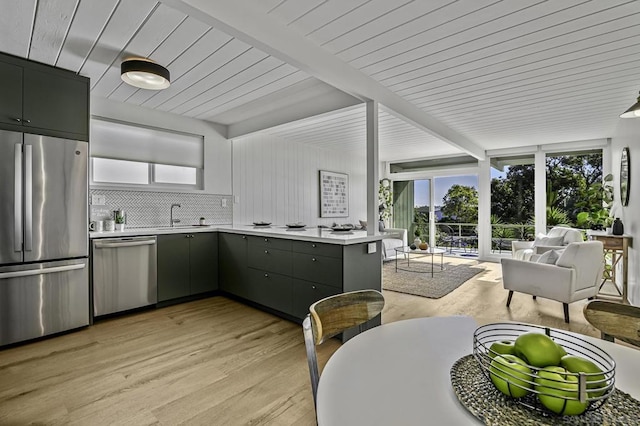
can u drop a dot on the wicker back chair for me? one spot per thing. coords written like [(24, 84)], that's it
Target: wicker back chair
[(331, 316)]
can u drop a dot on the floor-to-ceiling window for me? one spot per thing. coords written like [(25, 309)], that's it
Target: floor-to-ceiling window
[(574, 190), (512, 201)]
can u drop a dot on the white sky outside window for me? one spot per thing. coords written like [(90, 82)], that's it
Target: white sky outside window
[(175, 174), (120, 171)]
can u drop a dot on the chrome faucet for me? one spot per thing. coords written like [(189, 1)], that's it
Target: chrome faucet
[(174, 221)]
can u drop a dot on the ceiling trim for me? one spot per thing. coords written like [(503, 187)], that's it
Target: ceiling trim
[(239, 19)]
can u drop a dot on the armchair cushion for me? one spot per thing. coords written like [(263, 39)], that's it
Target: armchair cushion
[(544, 240), (550, 257)]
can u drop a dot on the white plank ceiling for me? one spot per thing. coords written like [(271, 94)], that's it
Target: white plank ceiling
[(501, 73)]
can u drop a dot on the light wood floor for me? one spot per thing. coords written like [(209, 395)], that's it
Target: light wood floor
[(212, 362)]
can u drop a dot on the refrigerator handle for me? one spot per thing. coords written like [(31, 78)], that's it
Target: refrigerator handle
[(28, 198), (17, 195), (30, 272)]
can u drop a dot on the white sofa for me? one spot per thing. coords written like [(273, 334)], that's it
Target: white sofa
[(558, 237), (395, 237), (575, 275)]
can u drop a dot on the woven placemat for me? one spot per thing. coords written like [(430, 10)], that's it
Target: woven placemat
[(488, 404)]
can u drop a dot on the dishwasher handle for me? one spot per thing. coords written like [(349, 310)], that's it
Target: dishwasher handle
[(113, 244)]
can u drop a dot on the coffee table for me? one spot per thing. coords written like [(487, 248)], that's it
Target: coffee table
[(408, 253)]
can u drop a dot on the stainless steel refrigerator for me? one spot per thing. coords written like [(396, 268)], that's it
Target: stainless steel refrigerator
[(44, 277)]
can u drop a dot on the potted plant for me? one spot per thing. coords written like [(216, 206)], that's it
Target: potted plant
[(118, 217), (600, 201), (385, 200)]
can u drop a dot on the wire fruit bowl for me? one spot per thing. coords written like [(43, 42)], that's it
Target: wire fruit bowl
[(593, 388)]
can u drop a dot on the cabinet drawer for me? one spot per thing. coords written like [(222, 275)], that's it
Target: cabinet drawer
[(611, 243), (270, 259), (306, 293), (319, 249), (276, 243), (318, 269), (271, 290)]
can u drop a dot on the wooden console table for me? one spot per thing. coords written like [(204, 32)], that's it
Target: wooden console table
[(618, 247)]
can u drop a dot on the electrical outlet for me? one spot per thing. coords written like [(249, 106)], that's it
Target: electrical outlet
[(371, 248), (98, 200), (236, 199), (224, 202)]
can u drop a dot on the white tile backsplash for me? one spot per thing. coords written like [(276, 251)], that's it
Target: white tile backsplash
[(145, 209)]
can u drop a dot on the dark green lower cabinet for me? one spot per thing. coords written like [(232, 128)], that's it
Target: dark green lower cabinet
[(173, 267), (187, 265), (305, 293), (271, 290), (203, 262)]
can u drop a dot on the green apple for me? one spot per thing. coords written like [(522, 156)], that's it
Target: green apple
[(577, 364), (561, 349), (537, 349), (509, 375), (555, 385), (501, 347)]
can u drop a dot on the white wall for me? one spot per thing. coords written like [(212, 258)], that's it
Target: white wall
[(627, 134), (276, 181), (217, 149)]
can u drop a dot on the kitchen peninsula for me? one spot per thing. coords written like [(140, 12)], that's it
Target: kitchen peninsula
[(277, 269)]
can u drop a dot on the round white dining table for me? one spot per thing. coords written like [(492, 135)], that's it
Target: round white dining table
[(399, 374)]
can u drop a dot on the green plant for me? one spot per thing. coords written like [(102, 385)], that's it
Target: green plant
[(557, 216), (385, 199), (119, 217), (600, 198)]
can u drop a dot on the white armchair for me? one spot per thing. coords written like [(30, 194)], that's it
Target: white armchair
[(395, 237), (557, 238), (574, 276)]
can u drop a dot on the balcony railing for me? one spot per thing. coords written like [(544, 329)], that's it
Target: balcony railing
[(464, 236)]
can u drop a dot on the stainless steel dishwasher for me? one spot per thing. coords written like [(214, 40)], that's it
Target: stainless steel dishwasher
[(124, 274)]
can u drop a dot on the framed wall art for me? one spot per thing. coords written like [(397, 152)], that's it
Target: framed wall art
[(334, 194)]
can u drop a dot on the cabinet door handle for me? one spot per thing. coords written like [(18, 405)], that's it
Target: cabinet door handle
[(313, 245), (266, 275), (266, 252), (313, 287), (19, 120), (26, 121), (313, 259), (266, 240), (244, 237)]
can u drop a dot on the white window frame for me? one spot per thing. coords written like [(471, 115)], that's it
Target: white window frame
[(152, 185)]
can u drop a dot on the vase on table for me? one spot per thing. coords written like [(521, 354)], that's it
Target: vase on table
[(617, 228)]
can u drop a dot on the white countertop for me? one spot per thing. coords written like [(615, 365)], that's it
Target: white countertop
[(321, 235)]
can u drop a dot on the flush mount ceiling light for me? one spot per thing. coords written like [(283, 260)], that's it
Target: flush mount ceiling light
[(144, 74), (633, 112)]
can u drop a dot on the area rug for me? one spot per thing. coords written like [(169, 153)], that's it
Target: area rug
[(420, 283)]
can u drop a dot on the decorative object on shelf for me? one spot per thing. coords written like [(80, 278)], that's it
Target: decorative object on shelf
[(145, 74), (417, 242), (424, 246), (334, 194), (413, 247), (633, 111), (625, 176), (618, 227), (203, 221)]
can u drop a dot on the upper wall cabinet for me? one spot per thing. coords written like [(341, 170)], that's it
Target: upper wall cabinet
[(40, 99)]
